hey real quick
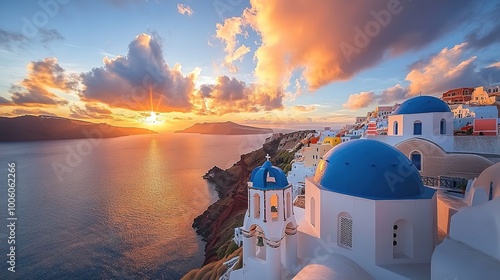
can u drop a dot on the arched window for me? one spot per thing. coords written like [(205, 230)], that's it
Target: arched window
[(417, 128), (395, 127), (416, 159), (288, 205), (313, 212), (442, 126), (256, 206), (344, 230), (402, 239), (490, 197), (274, 207)]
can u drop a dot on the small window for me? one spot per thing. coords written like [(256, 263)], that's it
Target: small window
[(312, 217), (395, 128), (416, 159), (274, 207), (417, 128), (288, 205), (256, 206), (345, 230), (442, 126)]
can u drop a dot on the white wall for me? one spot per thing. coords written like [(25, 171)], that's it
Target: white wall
[(401, 130), (362, 212), (430, 129), (421, 214), (313, 191), (479, 227)]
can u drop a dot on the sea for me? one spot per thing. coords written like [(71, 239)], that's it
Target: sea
[(117, 208)]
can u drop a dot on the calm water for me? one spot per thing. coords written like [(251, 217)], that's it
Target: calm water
[(124, 211)]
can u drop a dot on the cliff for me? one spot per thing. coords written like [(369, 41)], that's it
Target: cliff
[(224, 128), (35, 128), (216, 225)]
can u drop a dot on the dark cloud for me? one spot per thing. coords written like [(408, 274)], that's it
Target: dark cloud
[(126, 81), (448, 69), (337, 39), (480, 38), (4, 101), (48, 35), (91, 111), (478, 42), (31, 112), (10, 40), (142, 81), (229, 95)]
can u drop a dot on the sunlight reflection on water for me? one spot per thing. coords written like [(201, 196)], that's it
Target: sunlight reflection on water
[(124, 212)]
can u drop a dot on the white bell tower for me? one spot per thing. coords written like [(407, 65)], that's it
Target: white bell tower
[(269, 227)]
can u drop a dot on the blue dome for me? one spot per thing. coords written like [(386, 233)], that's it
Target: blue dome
[(268, 177), (422, 104), (370, 169)]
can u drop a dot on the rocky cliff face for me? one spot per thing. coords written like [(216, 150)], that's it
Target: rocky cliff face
[(216, 225)]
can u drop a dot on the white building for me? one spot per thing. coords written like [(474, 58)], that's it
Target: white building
[(472, 248), (424, 117), (367, 216), (358, 202), (269, 228), (476, 112), (485, 95)]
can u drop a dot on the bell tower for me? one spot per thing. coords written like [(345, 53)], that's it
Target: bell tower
[(269, 227)]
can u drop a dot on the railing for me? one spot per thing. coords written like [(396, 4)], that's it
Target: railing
[(444, 182)]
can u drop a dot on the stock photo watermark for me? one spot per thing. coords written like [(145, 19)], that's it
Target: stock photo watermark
[(11, 216), (39, 19), (363, 36), (224, 6)]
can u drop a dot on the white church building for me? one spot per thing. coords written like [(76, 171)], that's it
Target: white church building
[(368, 215)]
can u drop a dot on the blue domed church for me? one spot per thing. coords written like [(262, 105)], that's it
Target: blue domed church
[(269, 228), (366, 213), (425, 117), (368, 199)]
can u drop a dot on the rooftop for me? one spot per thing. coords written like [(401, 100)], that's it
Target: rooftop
[(422, 104)]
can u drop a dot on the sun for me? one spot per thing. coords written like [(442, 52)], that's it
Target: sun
[(153, 118)]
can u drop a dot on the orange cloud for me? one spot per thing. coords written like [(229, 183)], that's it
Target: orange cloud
[(227, 33), (333, 40), (43, 77), (434, 75), (301, 108), (125, 82), (359, 100), (91, 111), (184, 9), (443, 68), (229, 95)]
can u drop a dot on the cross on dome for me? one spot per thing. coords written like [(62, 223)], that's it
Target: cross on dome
[(268, 157)]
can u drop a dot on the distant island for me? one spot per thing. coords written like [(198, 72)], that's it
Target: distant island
[(36, 128), (224, 128)]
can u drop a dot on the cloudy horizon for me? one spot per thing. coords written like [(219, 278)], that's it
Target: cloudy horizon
[(275, 64)]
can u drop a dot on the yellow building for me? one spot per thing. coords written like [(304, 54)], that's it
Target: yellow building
[(313, 153)]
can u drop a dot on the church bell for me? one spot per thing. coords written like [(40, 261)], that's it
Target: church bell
[(260, 241)]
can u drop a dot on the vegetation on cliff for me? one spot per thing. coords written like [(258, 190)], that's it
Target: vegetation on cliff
[(216, 225)]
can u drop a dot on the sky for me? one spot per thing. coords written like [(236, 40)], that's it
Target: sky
[(290, 64)]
